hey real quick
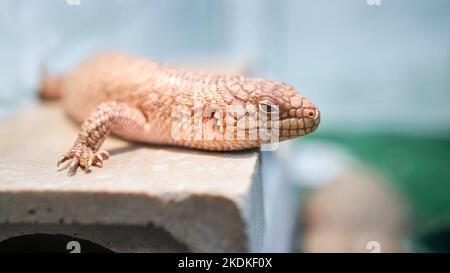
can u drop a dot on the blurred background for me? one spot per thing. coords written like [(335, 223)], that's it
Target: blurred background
[(374, 176)]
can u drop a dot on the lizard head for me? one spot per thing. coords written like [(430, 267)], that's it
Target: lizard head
[(266, 112), (287, 110)]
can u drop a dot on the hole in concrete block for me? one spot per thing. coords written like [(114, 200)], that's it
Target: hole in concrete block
[(110, 238), (46, 243)]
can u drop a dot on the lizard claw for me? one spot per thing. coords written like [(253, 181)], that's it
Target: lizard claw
[(84, 157), (88, 165), (98, 160), (62, 159), (102, 155), (73, 167)]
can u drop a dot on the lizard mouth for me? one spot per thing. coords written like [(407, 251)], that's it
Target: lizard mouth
[(317, 114), (316, 120), (299, 126)]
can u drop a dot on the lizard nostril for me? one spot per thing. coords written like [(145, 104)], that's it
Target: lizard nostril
[(311, 114)]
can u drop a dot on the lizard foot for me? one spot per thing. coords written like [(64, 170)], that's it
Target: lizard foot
[(84, 157)]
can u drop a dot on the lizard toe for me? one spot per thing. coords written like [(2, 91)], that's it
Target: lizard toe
[(82, 156)]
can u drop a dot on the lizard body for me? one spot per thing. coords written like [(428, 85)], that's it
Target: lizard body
[(144, 101)]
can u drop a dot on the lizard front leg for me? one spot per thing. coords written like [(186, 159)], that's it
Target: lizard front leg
[(108, 116)]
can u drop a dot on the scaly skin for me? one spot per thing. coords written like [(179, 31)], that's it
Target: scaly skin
[(135, 99)]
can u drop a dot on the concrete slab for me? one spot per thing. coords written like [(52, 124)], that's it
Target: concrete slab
[(206, 201)]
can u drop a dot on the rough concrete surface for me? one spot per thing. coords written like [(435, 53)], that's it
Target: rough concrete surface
[(206, 201)]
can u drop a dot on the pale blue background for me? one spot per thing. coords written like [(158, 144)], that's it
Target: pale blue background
[(368, 67)]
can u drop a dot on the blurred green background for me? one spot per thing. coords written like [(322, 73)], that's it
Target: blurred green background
[(418, 165)]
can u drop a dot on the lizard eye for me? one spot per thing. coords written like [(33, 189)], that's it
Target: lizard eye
[(268, 108)]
